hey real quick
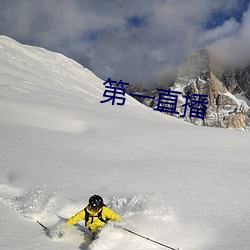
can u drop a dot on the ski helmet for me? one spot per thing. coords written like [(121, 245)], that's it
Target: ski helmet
[(95, 202)]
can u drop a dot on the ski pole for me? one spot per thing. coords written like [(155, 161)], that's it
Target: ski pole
[(45, 228), (146, 238)]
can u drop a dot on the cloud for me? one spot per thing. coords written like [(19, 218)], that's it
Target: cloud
[(232, 50), (228, 28), (136, 41)]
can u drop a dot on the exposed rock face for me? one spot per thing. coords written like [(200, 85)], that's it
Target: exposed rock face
[(237, 81), (224, 110), (195, 76)]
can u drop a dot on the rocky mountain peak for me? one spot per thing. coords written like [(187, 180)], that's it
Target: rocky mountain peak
[(197, 64), (196, 75), (237, 81)]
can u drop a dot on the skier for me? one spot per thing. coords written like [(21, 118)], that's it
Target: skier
[(95, 214)]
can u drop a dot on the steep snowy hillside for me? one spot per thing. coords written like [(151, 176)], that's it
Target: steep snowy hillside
[(182, 185)]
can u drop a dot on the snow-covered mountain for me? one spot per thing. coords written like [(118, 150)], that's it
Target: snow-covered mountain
[(228, 93), (182, 185), (224, 110)]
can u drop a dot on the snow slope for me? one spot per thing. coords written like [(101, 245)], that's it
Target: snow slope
[(182, 185)]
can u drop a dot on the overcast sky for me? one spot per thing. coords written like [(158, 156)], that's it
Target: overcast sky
[(137, 41)]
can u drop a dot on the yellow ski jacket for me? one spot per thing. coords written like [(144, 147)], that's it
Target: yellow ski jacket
[(94, 223)]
